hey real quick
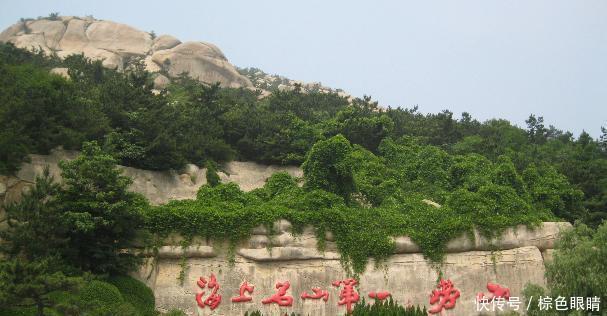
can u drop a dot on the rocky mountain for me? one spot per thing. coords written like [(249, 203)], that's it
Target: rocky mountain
[(115, 43), (267, 82)]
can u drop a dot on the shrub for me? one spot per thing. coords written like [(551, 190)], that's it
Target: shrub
[(125, 309), (386, 308), (328, 166), (101, 293), (578, 267), (212, 176), (258, 313), (136, 293)]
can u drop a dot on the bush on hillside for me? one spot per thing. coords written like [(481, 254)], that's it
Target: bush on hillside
[(136, 293)]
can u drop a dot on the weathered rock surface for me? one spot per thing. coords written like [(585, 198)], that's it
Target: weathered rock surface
[(114, 42), (407, 276), (161, 82), (165, 42), (203, 61), (161, 186)]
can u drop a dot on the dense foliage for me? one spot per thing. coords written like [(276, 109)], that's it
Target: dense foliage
[(196, 123), (55, 236), (101, 214), (386, 308), (578, 268), (136, 293), (365, 198), (369, 174)]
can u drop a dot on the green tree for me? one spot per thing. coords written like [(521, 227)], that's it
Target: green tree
[(578, 267), (328, 166), (101, 213), (535, 129), (211, 174), (362, 123), (35, 225), (25, 283), (32, 245)]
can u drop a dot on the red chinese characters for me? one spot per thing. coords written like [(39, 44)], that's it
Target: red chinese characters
[(497, 291), (380, 295), (214, 299), (445, 295), (244, 287), (281, 298), (348, 294), (318, 294)]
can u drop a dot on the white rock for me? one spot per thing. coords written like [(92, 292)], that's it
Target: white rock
[(202, 61), (11, 31), (161, 186), (33, 42), (52, 31), (61, 71), (409, 278), (150, 65), (285, 254), (74, 39), (118, 38), (258, 242), (161, 82), (177, 252), (165, 42)]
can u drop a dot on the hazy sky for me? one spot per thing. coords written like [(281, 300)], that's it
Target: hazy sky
[(503, 59)]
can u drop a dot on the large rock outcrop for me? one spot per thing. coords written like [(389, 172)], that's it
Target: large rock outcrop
[(264, 259), (114, 43), (158, 186)]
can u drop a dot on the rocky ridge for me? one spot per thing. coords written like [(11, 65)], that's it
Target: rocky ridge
[(115, 43), (165, 55), (265, 83)]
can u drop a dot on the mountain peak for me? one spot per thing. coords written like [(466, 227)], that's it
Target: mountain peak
[(114, 43)]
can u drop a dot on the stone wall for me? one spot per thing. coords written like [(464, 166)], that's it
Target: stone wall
[(263, 260)]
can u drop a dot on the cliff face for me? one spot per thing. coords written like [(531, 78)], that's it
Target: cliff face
[(157, 186), (114, 43), (267, 257)]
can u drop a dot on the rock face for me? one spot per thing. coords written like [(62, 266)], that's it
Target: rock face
[(114, 43), (203, 61), (406, 275), (161, 186)]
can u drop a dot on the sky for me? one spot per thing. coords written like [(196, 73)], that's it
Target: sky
[(490, 58)]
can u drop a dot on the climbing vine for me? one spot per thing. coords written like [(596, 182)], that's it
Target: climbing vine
[(471, 198), (361, 230)]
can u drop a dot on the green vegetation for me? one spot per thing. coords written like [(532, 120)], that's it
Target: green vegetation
[(101, 214), (196, 123), (258, 313), (57, 235), (101, 293), (386, 308), (393, 183), (136, 293), (378, 308), (578, 269), (369, 174)]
